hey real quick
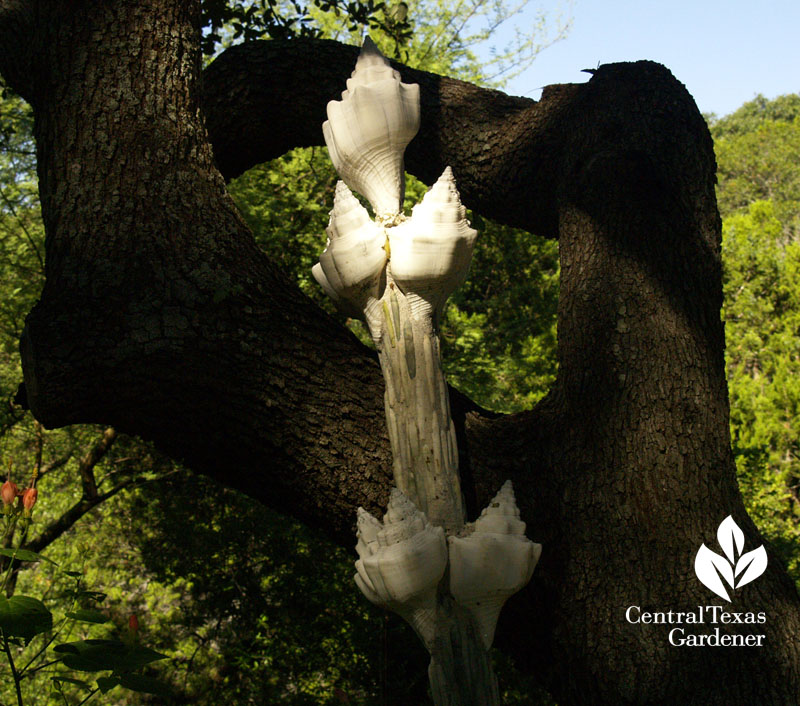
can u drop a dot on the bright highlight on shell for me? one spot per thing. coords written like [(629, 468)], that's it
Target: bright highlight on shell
[(351, 268), (401, 562), (431, 251), (368, 130)]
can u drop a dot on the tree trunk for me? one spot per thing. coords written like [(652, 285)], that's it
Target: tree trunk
[(161, 317)]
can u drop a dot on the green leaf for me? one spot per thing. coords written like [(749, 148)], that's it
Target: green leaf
[(147, 685), (99, 655), (24, 555), (70, 680), (106, 684), (83, 594), (23, 616), (87, 615)]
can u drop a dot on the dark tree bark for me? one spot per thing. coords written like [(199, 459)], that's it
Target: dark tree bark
[(162, 318)]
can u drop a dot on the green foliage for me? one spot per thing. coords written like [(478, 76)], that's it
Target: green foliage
[(759, 196), (755, 114), (21, 241), (253, 586), (762, 166), (290, 19), (28, 633), (772, 504), (445, 38), (499, 332)]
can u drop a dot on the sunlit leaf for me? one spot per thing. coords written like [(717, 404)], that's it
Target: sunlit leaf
[(87, 615), (24, 555)]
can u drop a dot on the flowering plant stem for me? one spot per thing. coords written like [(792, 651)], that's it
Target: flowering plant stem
[(14, 672)]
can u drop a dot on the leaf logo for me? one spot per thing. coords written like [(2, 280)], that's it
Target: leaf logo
[(735, 568)]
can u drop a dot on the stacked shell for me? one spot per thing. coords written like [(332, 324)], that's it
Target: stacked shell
[(493, 563), (403, 559), (431, 252), (367, 133), (351, 269), (368, 130), (401, 562)]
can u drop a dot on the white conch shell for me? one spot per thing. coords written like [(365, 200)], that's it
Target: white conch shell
[(401, 562), (351, 268), (431, 251), (492, 563), (368, 130)]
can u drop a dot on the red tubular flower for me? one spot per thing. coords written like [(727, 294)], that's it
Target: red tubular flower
[(8, 492), (29, 497), (133, 624)]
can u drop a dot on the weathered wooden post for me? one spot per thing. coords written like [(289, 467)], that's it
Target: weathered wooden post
[(448, 579)]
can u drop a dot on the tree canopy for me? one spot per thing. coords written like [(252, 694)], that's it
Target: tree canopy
[(759, 196)]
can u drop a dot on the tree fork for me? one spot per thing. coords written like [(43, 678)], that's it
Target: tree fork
[(161, 318)]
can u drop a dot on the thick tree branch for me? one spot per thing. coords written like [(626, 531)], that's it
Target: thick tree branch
[(188, 293), (263, 98), (17, 28)]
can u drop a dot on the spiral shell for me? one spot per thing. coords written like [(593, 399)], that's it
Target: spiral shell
[(492, 563), (368, 130), (351, 268), (401, 562), (431, 251)]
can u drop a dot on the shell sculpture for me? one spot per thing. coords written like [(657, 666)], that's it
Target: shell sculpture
[(351, 269), (368, 130), (401, 562), (431, 251), (403, 559), (493, 562)]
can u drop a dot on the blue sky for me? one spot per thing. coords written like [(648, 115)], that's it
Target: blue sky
[(724, 52)]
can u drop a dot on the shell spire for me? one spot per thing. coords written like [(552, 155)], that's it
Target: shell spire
[(493, 563), (351, 268), (401, 562), (367, 131), (431, 251)]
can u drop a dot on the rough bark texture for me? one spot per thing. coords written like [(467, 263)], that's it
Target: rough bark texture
[(161, 317), (501, 148)]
